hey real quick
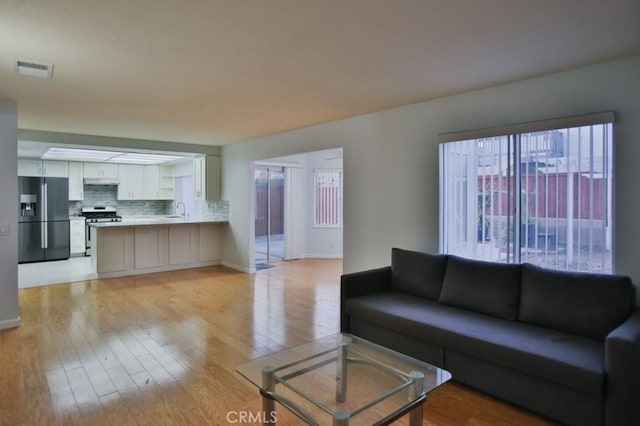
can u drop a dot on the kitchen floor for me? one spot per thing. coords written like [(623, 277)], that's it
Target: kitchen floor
[(56, 272)]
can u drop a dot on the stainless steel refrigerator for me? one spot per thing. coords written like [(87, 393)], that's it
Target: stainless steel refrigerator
[(43, 219)]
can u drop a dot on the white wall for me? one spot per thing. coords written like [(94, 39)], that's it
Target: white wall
[(9, 313), (397, 150)]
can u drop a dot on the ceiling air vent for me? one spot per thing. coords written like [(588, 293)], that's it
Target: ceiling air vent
[(33, 69)]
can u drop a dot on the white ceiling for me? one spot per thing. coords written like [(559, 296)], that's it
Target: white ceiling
[(220, 71)]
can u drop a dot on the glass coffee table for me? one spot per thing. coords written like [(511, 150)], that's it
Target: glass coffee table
[(343, 380)]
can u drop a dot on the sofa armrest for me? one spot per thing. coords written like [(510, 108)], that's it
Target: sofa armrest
[(361, 283), (622, 366)]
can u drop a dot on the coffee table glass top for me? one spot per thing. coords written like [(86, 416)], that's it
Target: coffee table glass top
[(310, 379)]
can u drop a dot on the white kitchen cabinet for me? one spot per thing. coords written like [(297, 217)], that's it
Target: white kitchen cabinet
[(100, 170), (76, 182), (39, 168), (29, 168), (199, 177), (138, 182), (131, 177), (77, 236), (206, 176), (55, 168), (151, 183)]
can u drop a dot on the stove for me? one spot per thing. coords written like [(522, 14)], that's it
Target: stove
[(100, 214), (96, 214)]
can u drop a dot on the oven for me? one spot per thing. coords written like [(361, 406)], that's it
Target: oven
[(96, 214)]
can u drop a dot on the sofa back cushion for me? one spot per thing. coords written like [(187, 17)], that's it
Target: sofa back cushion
[(586, 304), (418, 274), (484, 287)]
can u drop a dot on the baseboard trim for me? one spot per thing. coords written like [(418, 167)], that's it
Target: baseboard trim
[(322, 256), (153, 270), (238, 267), (11, 323)]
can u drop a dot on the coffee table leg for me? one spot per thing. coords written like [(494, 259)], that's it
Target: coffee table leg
[(268, 404), (341, 418), (341, 383), (416, 389)]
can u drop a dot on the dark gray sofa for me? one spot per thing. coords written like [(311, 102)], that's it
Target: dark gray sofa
[(564, 345)]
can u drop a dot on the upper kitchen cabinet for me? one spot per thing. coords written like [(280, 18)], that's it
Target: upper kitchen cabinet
[(206, 176), (158, 183), (44, 168), (29, 168), (131, 177), (151, 182), (100, 170), (138, 182), (76, 183)]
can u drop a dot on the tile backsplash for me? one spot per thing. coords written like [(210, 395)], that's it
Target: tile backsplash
[(216, 210), (107, 195)]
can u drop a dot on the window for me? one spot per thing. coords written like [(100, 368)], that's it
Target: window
[(327, 184), (184, 193), (538, 193)]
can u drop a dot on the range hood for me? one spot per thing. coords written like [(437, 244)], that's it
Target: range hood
[(101, 181)]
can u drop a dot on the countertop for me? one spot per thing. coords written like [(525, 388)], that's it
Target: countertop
[(155, 220)]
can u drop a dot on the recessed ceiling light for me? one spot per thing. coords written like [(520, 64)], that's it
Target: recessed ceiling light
[(33, 68)]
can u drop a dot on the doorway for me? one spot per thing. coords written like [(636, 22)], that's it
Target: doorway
[(269, 216)]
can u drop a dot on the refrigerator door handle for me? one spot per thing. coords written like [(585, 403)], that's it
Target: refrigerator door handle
[(45, 216)]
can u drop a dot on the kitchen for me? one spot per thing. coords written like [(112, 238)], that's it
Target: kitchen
[(174, 196)]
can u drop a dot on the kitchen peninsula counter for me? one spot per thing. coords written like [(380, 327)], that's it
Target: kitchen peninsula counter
[(155, 220), (144, 244)]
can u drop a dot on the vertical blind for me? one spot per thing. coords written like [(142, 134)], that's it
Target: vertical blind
[(534, 194)]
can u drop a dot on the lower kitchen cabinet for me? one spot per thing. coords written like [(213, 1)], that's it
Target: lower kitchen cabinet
[(150, 246), (129, 250), (209, 238), (183, 244), (112, 250), (76, 236)]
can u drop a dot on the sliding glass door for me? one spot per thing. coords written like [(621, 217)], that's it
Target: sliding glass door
[(269, 215), (542, 197)]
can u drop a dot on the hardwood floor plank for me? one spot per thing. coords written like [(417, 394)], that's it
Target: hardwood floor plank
[(40, 408), (83, 392), (163, 348)]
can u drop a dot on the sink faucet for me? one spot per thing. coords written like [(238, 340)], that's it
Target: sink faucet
[(183, 208)]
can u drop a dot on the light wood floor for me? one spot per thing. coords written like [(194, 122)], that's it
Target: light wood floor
[(161, 349)]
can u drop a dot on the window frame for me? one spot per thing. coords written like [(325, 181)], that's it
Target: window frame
[(339, 202), (514, 133)]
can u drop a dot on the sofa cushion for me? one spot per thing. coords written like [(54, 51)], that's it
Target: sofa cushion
[(485, 287), (558, 357), (418, 274), (587, 304)]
